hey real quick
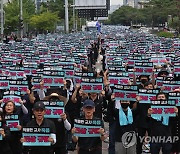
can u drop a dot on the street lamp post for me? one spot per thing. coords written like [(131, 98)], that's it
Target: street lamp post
[(66, 16), (21, 19), (74, 15), (2, 20)]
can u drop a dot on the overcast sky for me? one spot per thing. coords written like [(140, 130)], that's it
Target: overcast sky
[(116, 2)]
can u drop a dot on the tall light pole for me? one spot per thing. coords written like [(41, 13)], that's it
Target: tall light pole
[(66, 16), (74, 15), (21, 19), (2, 20)]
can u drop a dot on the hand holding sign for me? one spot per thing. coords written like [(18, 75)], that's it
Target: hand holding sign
[(150, 111), (19, 127), (101, 131), (50, 139), (63, 116), (176, 110), (2, 132)]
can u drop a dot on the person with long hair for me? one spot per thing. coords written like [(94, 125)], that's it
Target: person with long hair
[(9, 108)]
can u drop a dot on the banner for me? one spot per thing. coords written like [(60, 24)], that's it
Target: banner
[(87, 128), (53, 80), (163, 108), (92, 85), (125, 92), (146, 96), (175, 96), (53, 109), (4, 84), (12, 121), (170, 86), (36, 136), (1, 129)]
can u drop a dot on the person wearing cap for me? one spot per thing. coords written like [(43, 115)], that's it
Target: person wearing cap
[(40, 121), (62, 125), (89, 145)]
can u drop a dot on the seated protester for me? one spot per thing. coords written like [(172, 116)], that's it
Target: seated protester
[(39, 121), (160, 128), (5, 134), (124, 118), (89, 145), (9, 108), (61, 125)]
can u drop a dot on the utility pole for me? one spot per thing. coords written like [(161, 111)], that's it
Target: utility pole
[(66, 16), (21, 20), (74, 15), (2, 20)]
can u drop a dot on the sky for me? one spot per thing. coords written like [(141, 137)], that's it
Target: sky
[(116, 2)]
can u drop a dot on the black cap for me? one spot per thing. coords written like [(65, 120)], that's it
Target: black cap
[(39, 105), (88, 102)]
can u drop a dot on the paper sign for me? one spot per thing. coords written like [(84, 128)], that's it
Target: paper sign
[(4, 84), (36, 136), (87, 128), (54, 109), (12, 121)]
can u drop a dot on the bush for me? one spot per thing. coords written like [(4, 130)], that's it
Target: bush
[(165, 34)]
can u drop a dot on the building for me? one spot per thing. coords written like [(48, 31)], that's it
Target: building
[(135, 3)]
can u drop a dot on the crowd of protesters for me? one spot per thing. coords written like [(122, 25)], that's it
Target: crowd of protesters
[(139, 72)]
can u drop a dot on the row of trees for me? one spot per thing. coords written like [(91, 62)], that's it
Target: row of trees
[(154, 13), (44, 19)]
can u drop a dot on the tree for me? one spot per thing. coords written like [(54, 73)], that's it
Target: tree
[(12, 14), (45, 21)]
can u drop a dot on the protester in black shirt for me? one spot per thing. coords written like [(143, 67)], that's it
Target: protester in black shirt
[(89, 145), (40, 121), (5, 134), (124, 118), (160, 129), (62, 125), (9, 108), (143, 79)]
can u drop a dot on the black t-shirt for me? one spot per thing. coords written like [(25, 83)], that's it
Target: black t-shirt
[(4, 144), (90, 142), (98, 107), (120, 130), (40, 149), (142, 120)]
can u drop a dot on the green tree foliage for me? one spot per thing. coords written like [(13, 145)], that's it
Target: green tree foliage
[(12, 14), (154, 13), (45, 21)]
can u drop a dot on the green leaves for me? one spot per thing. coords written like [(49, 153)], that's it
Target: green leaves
[(154, 13), (44, 21), (12, 14)]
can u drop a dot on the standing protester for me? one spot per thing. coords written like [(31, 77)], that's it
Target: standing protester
[(161, 128), (62, 125), (89, 145), (5, 135), (39, 122), (125, 123), (9, 109)]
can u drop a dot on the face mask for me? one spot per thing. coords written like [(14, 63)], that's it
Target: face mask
[(143, 81), (124, 105), (162, 99)]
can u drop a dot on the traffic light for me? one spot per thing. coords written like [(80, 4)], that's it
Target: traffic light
[(21, 24)]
